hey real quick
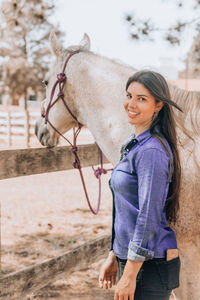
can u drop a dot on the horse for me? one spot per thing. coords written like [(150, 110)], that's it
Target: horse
[(94, 92)]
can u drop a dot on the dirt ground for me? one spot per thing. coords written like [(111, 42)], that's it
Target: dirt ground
[(46, 215)]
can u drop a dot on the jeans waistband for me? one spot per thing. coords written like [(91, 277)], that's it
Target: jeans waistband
[(153, 259)]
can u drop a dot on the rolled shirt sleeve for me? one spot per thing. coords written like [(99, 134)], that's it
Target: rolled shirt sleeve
[(152, 168)]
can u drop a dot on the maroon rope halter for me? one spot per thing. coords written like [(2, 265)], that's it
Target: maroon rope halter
[(61, 80)]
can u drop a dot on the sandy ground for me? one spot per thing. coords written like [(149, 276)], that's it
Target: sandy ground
[(45, 215)]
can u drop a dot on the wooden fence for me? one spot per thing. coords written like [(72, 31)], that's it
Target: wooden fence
[(14, 163), (17, 124)]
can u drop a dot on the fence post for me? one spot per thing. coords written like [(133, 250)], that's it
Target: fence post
[(0, 238), (9, 128), (27, 134)]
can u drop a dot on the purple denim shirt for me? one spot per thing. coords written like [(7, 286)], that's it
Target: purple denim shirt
[(139, 184)]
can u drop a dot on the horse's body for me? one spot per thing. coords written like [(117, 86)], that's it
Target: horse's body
[(95, 91)]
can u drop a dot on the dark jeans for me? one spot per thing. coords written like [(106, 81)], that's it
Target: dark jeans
[(156, 278)]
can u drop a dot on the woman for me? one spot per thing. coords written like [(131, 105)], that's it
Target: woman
[(145, 185)]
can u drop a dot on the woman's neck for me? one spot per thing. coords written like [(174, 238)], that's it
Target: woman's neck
[(140, 129)]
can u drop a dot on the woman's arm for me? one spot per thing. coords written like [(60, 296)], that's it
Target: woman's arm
[(152, 167)]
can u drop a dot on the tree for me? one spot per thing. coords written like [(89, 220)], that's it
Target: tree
[(145, 29), (193, 59), (25, 52)]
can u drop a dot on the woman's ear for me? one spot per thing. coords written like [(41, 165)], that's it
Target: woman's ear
[(159, 105)]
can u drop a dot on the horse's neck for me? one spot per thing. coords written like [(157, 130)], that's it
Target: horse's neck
[(100, 91)]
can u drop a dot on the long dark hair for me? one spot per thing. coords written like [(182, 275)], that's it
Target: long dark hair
[(156, 84)]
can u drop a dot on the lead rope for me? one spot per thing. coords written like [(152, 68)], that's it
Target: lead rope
[(98, 172), (61, 80)]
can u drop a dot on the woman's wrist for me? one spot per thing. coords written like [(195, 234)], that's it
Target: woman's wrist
[(111, 256), (132, 268)]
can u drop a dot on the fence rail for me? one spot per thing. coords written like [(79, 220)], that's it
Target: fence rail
[(22, 162), (19, 284), (17, 124), (14, 163)]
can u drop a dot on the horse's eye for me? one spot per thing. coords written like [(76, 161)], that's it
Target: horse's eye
[(45, 82)]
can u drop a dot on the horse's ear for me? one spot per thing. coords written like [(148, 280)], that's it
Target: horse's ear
[(56, 47), (85, 42)]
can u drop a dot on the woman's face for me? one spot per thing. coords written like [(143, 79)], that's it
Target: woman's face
[(140, 105)]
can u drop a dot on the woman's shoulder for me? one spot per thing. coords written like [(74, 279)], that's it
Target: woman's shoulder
[(156, 144)]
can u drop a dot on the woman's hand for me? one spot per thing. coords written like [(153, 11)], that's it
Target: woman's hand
[(125, 288), (108, 272)]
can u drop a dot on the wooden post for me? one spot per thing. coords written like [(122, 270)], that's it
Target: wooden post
[(9, 128), (0, 238), (186, 73), (26, 128)]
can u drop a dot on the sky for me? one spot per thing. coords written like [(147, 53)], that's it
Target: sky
[(103, 21)]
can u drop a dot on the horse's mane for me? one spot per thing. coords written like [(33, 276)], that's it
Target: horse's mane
[(117, 62), (189, 101), (189, 121)]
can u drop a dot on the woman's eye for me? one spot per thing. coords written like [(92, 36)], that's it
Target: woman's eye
[(128, 96), (142, 99)]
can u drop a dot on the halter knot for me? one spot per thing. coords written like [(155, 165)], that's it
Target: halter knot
[(76, 164), (61, 77), (60, 94), (74, 149), (99, 171)]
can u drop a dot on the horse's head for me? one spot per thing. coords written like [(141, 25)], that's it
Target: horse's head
[(58, 114)]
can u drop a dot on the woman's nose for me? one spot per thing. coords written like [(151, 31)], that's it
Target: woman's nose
[(133, 102)]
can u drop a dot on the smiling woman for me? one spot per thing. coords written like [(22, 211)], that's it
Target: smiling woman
[(145, 187)]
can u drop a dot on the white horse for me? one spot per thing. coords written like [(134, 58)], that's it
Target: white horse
[(95, 91)]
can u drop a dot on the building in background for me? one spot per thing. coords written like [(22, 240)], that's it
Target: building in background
[(192, 61)]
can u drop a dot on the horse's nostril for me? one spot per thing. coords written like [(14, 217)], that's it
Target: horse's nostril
[(41, 136)]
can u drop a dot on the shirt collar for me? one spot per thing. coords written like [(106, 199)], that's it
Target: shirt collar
[(145, 135)]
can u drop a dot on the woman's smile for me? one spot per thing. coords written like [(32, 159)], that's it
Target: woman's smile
[(132, 114)]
